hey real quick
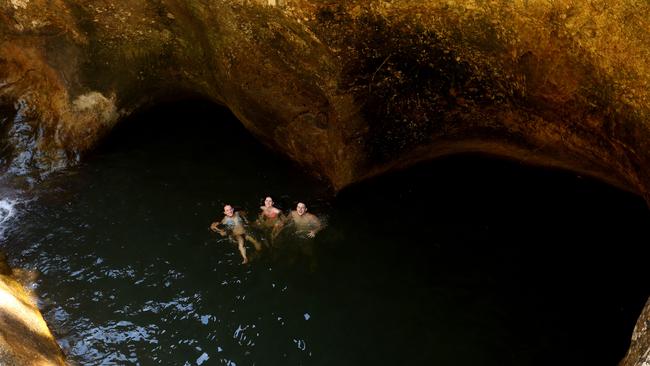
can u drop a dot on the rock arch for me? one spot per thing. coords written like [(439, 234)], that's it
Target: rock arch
[(348, 90)]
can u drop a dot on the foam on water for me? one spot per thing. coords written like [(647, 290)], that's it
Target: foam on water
[(7, 213)]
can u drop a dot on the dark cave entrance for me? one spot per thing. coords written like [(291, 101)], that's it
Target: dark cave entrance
[(559, 254)]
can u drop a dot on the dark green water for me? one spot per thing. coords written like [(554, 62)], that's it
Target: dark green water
[(462, 261)]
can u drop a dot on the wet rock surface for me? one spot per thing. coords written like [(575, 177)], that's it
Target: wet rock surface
[(25, 339), (639, 352), (348, 89)]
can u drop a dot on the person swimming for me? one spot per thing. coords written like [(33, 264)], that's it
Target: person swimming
[(234, 226), (304, 223), (270, 218), (300, 249)]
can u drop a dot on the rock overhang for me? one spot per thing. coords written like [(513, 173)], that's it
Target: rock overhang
[(347, 89)]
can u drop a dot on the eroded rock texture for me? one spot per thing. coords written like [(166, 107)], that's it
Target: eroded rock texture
[(639, 352), (24, 337), (350, 88)]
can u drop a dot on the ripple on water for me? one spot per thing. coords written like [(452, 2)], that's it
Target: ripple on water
[(110, 343)]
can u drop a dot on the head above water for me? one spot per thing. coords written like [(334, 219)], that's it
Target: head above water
[(301, 208), (228, 210), (268, 202)]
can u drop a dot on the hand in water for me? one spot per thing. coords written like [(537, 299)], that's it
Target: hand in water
[(214, 227)]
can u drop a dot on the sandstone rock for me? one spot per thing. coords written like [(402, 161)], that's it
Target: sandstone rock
[(348, 89), (639, 352), (24, 337)]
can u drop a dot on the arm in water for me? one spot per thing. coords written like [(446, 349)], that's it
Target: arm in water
[(315, 224), (215, 227), (283, 223)]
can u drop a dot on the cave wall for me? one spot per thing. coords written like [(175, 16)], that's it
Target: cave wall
[(639, 351), (348, 89)]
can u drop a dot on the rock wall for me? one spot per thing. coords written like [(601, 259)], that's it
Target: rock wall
[(24, 337), (639, 352), (349, 89)]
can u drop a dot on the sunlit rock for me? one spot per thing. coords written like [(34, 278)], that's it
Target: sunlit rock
[(24, 337), (639, 352), (348, 89)]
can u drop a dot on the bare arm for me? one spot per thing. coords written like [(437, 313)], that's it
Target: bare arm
[(242, 216), (283, 222), (260, 217), (316, 224), (215, 227)]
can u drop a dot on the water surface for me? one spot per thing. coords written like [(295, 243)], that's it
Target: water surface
[(462, 261)]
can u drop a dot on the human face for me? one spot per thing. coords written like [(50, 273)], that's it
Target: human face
[(301, 209), (228, 210), (268, 202)]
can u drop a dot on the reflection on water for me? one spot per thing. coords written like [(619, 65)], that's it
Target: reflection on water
[(418, 268)]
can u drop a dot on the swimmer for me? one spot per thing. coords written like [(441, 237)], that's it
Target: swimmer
[(234, 224), (270, 217), (303, 221)]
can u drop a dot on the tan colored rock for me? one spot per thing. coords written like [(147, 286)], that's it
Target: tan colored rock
[(639, 352), (349, 89), (25, 339)]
